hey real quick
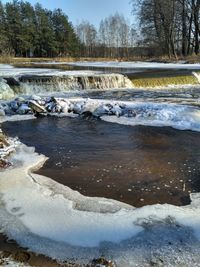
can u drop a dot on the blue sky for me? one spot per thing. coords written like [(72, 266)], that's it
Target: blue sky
[(91, 10)]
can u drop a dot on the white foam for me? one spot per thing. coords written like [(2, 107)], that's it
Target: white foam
[(5, 91), (49, 81)]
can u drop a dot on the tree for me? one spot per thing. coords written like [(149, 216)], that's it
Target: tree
[(87, 34), (116, 36), (5, 47), (14, 26), (65, 36), (27, 30), (172, 25), (45, 36)]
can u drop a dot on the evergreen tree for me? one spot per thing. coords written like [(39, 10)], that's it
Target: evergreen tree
[(5, 47), (27, 30), (46, 42), (14, 26), (66, 39)]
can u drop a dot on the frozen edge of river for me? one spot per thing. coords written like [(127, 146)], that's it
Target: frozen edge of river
[(54, 220)]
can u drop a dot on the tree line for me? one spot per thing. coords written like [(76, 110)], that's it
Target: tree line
[(169, 27), (27, 30), (115, 37), (34, 31)]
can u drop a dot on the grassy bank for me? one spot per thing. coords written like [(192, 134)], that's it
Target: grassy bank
[(20, 60)]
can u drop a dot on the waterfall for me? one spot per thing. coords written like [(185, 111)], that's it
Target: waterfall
[(36, 84), (5, 91), (196, 75)]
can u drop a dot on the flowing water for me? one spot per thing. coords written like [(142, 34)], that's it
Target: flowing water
[(137, 165)]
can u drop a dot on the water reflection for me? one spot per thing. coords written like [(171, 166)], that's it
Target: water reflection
[(137, 165)]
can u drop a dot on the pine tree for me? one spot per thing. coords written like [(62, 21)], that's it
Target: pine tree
[(27, 30), (46, 42), (28, 35), (5, 47), (14, 26), (66, 39)]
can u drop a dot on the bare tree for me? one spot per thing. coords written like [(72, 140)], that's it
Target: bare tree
[(88, 36), (171, 25)]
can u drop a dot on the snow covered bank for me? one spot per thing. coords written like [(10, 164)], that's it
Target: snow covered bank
[(54, 220)]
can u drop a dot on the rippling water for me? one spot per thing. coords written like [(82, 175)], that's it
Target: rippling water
[(137, 165)]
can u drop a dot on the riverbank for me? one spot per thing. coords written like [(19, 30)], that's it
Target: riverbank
[(11, 253), (6, 59)]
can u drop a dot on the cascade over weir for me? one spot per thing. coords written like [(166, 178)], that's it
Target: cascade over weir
[(35, 84)]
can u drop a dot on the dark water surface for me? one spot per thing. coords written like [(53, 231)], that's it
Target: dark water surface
[(137, 165)]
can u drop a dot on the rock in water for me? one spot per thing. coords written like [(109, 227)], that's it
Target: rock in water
[(36, 108), (23, 109)]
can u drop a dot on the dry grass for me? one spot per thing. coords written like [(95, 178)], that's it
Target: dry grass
[(164, 58), (18, 60)]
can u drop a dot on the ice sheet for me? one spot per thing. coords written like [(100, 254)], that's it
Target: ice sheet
[(9, 71), (136, 65)]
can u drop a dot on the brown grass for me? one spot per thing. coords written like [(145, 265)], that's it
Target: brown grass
[(17, 60), (164, 58)]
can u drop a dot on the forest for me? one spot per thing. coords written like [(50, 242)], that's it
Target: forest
[(162, 28)]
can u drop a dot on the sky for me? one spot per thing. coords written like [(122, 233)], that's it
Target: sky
[(91, 10)]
